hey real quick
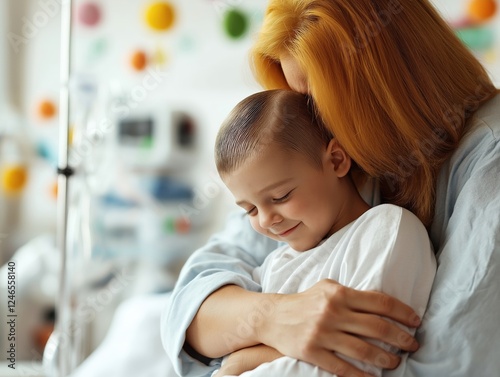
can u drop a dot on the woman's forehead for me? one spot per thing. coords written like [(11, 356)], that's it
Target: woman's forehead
[(294, 74)]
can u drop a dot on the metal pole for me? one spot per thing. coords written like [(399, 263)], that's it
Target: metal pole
[(63, 320)]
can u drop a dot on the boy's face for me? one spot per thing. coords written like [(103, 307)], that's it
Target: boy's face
[(289, 199)]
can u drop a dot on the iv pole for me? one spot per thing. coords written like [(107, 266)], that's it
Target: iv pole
[(58, 352)]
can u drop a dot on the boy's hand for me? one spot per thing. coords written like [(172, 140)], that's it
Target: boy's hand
[(247, 359)]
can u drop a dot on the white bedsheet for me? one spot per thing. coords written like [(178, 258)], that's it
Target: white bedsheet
[(132, 347)]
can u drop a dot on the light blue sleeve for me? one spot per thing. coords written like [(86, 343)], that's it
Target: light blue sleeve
[(460, 332), (229, 257)]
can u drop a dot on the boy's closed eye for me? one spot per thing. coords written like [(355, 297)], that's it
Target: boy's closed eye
[(282, 198), (253, 211)]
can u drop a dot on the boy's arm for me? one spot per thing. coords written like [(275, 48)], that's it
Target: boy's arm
[(228, 258), (247, 359), (391, 253)]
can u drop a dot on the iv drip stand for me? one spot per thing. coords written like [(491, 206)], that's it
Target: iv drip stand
[(58, 352)]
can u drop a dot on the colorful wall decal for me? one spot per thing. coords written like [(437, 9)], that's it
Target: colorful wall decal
[(160, 16)]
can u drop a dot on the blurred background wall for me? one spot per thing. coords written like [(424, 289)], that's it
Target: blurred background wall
[(194, 62)]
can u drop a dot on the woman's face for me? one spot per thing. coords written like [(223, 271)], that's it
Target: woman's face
[(294, 75)]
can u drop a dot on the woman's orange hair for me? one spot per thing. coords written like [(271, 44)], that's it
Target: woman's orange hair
[(389, 78)]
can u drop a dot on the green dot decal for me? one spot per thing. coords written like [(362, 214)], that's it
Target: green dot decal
[(235, 23), (169, 226)]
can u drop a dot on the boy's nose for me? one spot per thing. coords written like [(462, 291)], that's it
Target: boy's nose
[(267, 219)]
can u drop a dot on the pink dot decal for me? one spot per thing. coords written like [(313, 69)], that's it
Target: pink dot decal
[(89, 14)]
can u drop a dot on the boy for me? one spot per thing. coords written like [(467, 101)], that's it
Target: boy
[(295, 183)]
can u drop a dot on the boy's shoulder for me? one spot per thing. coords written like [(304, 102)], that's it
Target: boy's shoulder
[(389, 218), (388, 211)]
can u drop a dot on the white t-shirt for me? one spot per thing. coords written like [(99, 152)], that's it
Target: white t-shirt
[(386, 249)]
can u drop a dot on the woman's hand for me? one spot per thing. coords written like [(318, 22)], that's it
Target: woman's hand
[(307, 326), (330, 317), (247, 359)]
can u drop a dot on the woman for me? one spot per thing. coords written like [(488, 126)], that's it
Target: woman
[(419, 115)]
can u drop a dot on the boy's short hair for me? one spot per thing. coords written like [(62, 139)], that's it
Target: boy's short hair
[(284, 117)]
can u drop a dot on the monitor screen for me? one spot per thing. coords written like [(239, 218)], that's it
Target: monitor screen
[(135, 132)]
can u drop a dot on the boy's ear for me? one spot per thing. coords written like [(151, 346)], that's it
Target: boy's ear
[(338, 159)]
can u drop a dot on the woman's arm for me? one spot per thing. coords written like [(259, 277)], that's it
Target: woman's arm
[(307, 326), (228, 321)]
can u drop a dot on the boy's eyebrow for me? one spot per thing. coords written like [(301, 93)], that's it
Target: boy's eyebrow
[(267, 188), (276, 184), (241, 202)]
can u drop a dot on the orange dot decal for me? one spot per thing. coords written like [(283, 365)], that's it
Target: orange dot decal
[(47, 109), (182, 225), (139, 60), (54, 190), (482, 10)]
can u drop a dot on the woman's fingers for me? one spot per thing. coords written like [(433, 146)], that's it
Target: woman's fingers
[(355, 303), (334, 364), (375, 327), (361, 350), (382, 304)]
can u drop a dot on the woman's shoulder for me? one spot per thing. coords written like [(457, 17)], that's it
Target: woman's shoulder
[(479, 148), (484, 130), (487, 119), (466, 178)]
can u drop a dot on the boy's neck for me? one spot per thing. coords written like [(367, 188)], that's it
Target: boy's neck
[(354, 207)]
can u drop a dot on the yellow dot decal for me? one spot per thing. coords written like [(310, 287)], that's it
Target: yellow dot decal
[(160, 16), (14, 179)]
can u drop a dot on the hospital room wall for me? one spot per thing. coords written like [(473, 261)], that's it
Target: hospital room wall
[(204, 70)]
